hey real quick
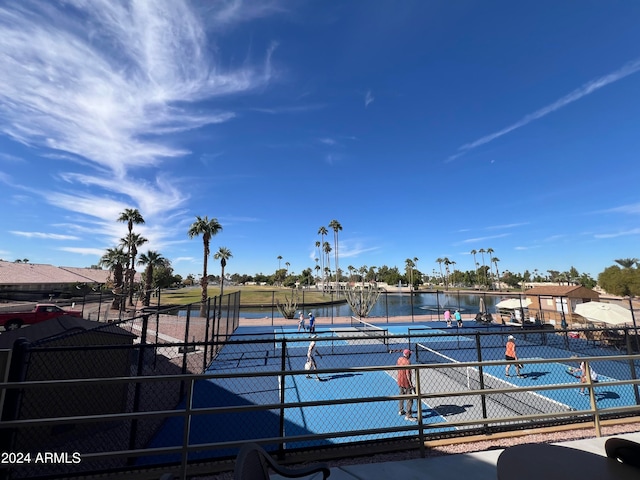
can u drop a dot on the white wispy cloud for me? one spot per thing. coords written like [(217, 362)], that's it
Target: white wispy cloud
[(581, 92), (368, 98), (507, 226), (105, 83), (624, 233), (48, 236), (84, 251), (631, 209), (482, 239)]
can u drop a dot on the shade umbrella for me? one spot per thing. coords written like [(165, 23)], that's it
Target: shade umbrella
[(609, 313), (513, 303), (482, 307)]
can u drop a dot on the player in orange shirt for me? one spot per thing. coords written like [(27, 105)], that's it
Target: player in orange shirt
[(405, 384), (510, 354)]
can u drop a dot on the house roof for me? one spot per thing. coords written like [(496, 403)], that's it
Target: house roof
[(557, 290), (12, 273), (57, 327)]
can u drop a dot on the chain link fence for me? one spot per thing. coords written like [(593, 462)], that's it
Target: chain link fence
[(257, 386), (159, 342)]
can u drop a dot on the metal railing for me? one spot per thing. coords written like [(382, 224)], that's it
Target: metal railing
[(184, 447)]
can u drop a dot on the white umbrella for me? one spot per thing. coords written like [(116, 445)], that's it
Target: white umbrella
[(483, 309), (513, 303), (609, 313)]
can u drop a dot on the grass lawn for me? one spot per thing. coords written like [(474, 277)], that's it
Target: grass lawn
[(250, 295)]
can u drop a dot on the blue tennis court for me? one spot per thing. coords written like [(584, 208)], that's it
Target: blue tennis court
[(339, 349)]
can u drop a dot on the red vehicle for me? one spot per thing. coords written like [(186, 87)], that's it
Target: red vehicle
[(40, 313)]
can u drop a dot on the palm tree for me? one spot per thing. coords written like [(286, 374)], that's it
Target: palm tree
[(495, 261), (132, 241), (490, 252), (115, 259), (207, 228), (335, 225), (223, 254), (279, 259), (409, 266), (626, 262), (151, 259), (473, 252), (439, 262), (484, 270), (130, 216), (327, 250), (322, 231), (446, 262)]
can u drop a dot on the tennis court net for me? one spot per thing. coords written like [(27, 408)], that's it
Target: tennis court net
[(370, 329), (523, 403)]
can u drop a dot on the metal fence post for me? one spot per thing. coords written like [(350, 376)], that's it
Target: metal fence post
[(592, 398), (11, 408), (283, 364), (418, 393), (133, 433), (483, 399)]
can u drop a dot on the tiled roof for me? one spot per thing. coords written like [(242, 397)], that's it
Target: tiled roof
[(89, 274), (12, 273), (558, 290)]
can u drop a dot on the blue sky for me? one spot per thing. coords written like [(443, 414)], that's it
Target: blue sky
[(426, 128)]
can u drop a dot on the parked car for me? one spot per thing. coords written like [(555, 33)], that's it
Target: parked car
[(40, 313)]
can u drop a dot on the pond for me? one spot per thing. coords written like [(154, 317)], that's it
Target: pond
[(395, 304)]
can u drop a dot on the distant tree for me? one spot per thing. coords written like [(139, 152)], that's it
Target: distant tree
[(440, 261), (335, 225), (627, 262), (207, 228), (322, 231), (131, 216), (151, 260), (115, 259), (223, 254), (620, 281), (132, 241), (163, 276), (484, 271)]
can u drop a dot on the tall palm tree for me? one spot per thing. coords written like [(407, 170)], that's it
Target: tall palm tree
[(409, 266), (439, 262), (287, 264), (132, 241), (335, 225), (151, 259), (322, 231), (446, 262), (490, 252), (482, 251), (279, 259), (495, 261), (326, 247), (130, 216), (207, 228), (474, 252), (223, 254), (115, 259)]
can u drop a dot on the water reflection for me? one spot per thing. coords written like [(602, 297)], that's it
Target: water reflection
[(389, 304)]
